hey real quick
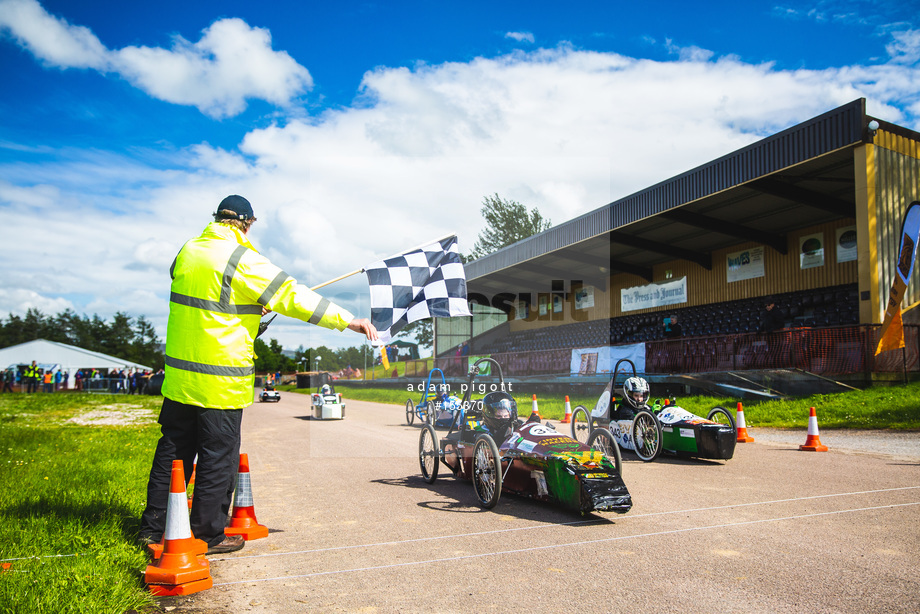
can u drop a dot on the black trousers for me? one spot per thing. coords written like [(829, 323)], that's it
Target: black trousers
[(212, 434)]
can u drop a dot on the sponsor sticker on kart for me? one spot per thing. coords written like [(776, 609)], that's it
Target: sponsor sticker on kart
[(675, 414), (687, 433), (526, 446)]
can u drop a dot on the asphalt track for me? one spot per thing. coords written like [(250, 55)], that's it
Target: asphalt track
[(353, 528)]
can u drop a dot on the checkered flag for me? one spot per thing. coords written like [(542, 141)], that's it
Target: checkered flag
[(428, 282)]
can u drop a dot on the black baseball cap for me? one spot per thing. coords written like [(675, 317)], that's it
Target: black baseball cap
[(234, 208)]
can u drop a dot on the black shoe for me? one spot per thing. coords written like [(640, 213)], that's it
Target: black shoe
[(230, 543)]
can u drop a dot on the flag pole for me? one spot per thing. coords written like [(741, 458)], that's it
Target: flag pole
[(339, 278)]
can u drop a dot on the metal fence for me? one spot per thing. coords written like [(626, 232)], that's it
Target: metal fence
[(842, 350)]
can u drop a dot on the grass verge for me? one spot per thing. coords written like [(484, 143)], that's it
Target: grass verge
[(74, 470)]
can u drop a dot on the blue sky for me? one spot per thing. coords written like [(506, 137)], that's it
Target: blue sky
[(360, 129)]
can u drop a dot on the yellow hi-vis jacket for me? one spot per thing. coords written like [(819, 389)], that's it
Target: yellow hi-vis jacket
[(219, 285)]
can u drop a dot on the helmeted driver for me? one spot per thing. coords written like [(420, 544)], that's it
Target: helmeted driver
[(635, 397), (499, 412)]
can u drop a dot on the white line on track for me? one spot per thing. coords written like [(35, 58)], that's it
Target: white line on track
[(564, 524), (580, 543)]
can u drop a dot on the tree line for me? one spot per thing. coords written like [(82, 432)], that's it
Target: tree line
[(132, 339), (135, 340)]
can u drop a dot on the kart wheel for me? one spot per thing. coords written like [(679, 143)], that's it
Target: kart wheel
[(721, 415), (646, 432), (428, 453), (487, 471), (581, 424), (602, 441), (429, 419), (410, 412)]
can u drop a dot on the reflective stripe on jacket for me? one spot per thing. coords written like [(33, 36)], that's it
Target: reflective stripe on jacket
[(220, 284)]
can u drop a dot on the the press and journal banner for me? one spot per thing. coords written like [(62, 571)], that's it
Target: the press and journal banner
[(607, 357), (654, 295)]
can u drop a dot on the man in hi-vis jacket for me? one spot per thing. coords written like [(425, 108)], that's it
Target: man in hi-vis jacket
[(221, 287)]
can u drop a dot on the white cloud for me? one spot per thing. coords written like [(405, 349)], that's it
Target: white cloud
[(231, 63), (19, 300), (563, 130), (520, 36), (52, 40), (905, 47)]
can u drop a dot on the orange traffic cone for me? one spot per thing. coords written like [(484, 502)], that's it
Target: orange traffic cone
[(812, 441), (243, 521), (198, 546), (535, 410), (567, 418), (742, 427), (179, 571)]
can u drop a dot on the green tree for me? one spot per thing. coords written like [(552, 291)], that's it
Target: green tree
[(421, 330), (145, 345), (120, 336), (507, 222)]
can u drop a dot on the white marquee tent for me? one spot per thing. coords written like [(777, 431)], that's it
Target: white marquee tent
[(53, 355)]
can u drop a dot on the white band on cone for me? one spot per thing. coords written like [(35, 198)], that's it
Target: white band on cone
[(177, 525)]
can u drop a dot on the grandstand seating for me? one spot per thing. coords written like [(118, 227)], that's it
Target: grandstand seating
[(820, 307)]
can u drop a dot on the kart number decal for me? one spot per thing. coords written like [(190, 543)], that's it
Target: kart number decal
[(541, 430), (687, 433)]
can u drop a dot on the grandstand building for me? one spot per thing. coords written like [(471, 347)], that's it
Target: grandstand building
[(809, 217)]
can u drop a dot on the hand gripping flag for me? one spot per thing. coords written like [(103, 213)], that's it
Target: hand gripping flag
[(892, 334), (427, 282)]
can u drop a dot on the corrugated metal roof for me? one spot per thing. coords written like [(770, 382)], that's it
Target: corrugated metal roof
[(836, 129)]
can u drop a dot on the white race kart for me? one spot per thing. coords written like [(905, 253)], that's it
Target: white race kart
[(328, 404)]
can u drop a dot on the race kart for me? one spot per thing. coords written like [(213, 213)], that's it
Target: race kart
[(437, 405), (661, 427), (269, 395), (328, 404), (529, 459)]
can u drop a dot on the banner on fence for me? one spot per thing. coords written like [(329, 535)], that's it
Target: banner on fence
[(606, 358), (654, 295)]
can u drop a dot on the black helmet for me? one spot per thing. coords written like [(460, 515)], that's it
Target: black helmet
[(499, 411)]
